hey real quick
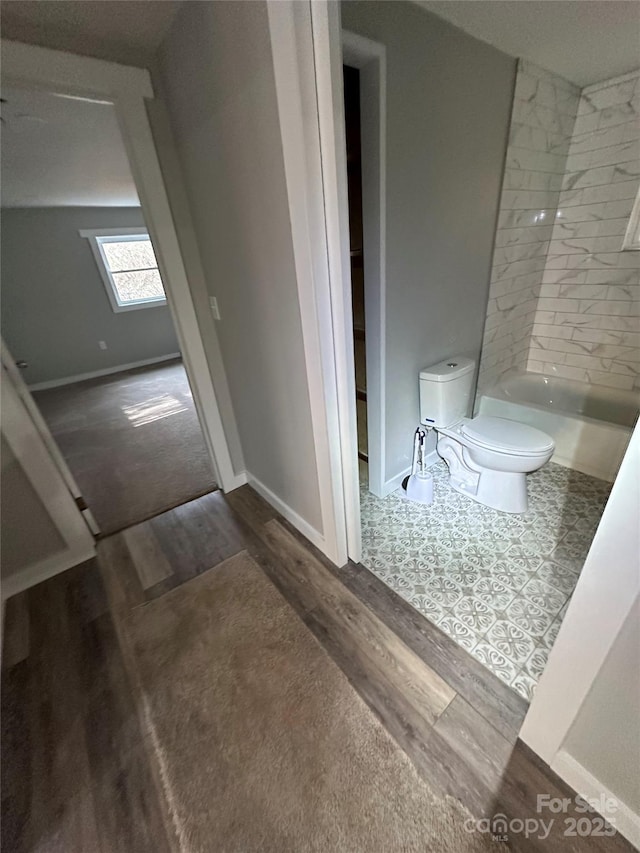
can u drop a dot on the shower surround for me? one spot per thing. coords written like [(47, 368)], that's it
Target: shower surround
[(564, 297)]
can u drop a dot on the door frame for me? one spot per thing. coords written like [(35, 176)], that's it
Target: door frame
[(306, 42), (128, 89), (39, 466), (40, 426), (320, 272), (370, 58)]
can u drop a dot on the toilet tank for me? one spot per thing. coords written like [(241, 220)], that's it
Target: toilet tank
[(445, 391)]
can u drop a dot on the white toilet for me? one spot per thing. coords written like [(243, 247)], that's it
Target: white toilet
[(488, 457)]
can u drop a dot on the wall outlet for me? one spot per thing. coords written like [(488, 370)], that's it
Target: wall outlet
[(213, 302), (102, 344)]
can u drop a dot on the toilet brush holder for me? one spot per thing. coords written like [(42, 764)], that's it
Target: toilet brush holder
[(419, 488)]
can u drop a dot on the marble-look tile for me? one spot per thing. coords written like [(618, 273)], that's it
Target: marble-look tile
[(575, 161)]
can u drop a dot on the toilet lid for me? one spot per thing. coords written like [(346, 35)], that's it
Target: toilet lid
[(508, 435)]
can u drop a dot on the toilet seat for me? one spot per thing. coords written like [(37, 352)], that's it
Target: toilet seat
[(503, 435)]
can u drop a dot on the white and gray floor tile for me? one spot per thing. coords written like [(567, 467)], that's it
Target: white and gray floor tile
[(497, 584)]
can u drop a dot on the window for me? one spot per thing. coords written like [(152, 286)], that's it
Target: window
[(128, 267)]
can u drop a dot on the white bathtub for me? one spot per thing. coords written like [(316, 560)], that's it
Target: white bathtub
[(591, 424)]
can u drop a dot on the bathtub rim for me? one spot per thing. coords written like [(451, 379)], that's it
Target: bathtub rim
[(495, 393)]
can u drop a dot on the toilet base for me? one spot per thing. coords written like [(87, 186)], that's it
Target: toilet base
[(501, 490), (505, 491)]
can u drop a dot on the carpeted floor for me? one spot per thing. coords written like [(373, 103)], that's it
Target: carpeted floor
[(132, 441), (260, 741)]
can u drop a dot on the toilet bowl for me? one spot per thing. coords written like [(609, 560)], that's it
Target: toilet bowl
[(489, 459)]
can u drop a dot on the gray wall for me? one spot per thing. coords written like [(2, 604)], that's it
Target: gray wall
[(605, 736), (216, 71), (448, 106), (55, 307)]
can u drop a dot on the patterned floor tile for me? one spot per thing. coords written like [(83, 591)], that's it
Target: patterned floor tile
[(536, 662), (549, 637), (557, 576), (443, 590), (497, 583), (526, 615), (492, 592), (511, 641), (463, 574), (495, 661), (475, 613), (524, 685), (510, 575), (528, 559), (544, 595), (459, 632)]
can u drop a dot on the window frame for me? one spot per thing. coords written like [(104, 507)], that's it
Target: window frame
[(96, 238)]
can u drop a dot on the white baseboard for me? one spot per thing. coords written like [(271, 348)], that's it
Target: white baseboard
[(95, 374), (238, 480), (313, 535), (395, 482), (42, 571), (584, 783)]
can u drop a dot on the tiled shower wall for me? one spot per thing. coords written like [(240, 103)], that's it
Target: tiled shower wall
[(544, 111), (586, 325), (563, 296)]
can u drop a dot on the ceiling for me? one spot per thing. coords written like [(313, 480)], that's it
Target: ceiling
[(584, 41), (126, 31), (61, 151)]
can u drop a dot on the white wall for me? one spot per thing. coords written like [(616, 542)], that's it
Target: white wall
[(216, 72), (605, 736), (584, 718), (55, 306)]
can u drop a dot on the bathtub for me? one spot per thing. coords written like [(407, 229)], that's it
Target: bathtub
[(590, 424)]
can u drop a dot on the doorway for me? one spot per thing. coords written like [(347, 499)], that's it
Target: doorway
[(351, 78), (499, 585), (85, 313), (82, 82)]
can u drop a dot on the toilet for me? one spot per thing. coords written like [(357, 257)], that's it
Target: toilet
[(488, 458)]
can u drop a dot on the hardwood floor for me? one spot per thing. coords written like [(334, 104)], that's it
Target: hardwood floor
[(77, 771)]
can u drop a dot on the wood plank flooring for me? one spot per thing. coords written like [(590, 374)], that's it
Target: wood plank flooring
[(77, 771)]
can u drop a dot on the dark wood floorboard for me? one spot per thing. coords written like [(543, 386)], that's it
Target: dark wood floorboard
[(78, 773), (500, 705)]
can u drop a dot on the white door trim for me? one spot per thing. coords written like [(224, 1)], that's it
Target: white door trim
[(330, 46), (39, 424), (292, 46), (35, 459), (326, 38), (608, 586), (127, 88)]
